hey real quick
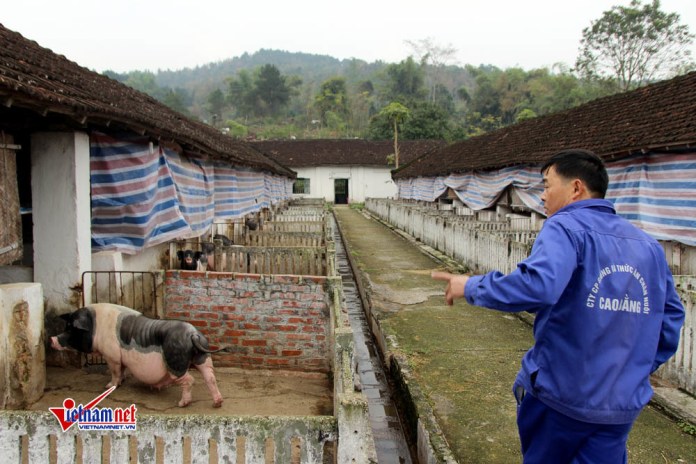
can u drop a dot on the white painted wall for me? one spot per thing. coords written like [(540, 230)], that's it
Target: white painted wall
[(60, 188), (363, 182), (133, 290), (153, 259)]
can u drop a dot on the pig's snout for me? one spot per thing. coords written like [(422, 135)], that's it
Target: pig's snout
[(55, 344)]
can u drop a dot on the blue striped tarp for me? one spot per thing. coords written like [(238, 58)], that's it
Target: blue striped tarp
[(134, 201), (238, 191), (478, 190), (656, 192), (193, 180), (144, 195)]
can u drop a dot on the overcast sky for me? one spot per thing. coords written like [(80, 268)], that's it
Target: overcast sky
[(125, 35)]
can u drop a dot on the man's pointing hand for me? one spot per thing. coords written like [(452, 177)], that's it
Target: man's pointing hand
[(455, 284)]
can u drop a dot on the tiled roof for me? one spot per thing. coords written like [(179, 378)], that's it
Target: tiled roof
[(303, 153), (658, 116), (36, 79)]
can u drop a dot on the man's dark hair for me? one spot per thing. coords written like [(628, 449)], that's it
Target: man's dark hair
[(581, 164)]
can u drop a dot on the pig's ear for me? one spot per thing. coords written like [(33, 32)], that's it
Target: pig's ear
[(83, 323), (179, 254), (197, 255)]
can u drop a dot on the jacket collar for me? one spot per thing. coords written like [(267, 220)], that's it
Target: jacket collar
[(593, 203)]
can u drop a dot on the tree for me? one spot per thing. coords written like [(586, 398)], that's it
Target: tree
[(175, 99), (525, 114), (272, 90), (396, 113), (486, 99), (240, 93), (215, 104), (633, 45), (332, 98), (405, 82), (435, 58), (362, 106), (145, 82), (427, 121), (265, 93)]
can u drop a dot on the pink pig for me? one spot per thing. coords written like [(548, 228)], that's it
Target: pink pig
[(157, 352)]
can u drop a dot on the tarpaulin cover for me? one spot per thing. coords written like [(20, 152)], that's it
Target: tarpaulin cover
[(655, 191), (478, 190), (144, 195)]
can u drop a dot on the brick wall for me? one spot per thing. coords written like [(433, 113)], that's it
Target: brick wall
[(268, 321)]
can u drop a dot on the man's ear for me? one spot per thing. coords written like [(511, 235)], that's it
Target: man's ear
[(580, 190)]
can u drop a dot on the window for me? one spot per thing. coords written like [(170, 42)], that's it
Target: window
[(301, 185)]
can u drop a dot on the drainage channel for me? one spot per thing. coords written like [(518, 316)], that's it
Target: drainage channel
[(390, 443)]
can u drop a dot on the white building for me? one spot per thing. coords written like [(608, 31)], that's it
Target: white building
[(344, 171)]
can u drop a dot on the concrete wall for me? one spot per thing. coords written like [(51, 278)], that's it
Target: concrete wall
[(35, 437), (136, 282), (269, 322), (363, 182), (22, 352), (60, 191)]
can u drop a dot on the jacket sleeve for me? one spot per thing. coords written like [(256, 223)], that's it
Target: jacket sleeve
[(538, 281), (672, 322)]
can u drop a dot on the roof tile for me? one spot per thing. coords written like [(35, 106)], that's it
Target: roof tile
[(656, 116)]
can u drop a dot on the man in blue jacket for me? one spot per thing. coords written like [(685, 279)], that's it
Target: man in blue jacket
[(607, 316)]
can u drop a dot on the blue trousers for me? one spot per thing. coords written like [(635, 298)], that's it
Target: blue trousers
[(549, 437)]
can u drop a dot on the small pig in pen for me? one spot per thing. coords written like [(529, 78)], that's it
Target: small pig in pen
[(156, 352), (190, 260), (222, 243)]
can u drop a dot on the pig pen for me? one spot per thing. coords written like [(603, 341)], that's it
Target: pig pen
[(287, 379)]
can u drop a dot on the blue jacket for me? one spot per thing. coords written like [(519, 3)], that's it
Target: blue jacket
[(607, 312)]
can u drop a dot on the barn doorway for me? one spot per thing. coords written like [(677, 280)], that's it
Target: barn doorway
[(341, 191)]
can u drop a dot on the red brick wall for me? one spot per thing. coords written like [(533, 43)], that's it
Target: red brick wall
[(269, 322)]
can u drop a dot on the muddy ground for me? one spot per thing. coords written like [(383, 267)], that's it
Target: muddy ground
[(245, 392)]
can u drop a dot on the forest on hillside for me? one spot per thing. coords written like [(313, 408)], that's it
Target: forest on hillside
[(279, 94), (275, 94)]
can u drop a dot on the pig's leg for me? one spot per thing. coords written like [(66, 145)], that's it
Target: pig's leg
[(186, 382), (206, 369), (117, 373)]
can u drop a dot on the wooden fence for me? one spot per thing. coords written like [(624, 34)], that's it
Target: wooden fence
[(302, 210), (479, 245), (295, 226), (284, 239), (305, 217), (274, 260), (681, 368)]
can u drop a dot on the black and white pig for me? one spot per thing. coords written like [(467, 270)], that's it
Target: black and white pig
[(192, 260), (224, 239), (157, 352)]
